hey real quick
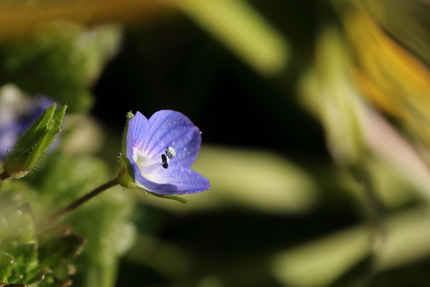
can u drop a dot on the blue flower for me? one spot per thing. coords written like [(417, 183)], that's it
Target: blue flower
[(158, 153)]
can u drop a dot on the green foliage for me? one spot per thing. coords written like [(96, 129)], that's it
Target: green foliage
[(103, 221), (61, 59), (6, 263), (56, 250), (28, 258)]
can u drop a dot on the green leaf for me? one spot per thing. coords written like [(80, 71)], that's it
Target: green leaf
[(18, 225), (6, 263), (26, 264), (104, 220)]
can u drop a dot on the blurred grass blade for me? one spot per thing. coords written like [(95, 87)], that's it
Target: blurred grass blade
[(243, 30), (326, 259), (406, 21), (406, 240), (389, 76)]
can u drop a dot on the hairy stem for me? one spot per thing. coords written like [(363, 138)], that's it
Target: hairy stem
[(59, 215)]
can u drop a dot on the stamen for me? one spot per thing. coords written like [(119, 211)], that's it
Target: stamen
[(170, 152), (148, 166)]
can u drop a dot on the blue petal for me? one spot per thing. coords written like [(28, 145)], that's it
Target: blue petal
[(175, 181), (171, 128), (152, 186), (138, 129)]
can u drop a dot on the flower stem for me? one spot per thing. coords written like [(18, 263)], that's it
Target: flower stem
[(4, 175), (59, 215)]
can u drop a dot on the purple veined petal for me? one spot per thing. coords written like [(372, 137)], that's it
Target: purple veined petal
[(152, 186), (174, 181), (171, 128), (138, 129), (161, 151)]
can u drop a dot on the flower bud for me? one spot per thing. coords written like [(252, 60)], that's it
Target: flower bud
[(34, 142)]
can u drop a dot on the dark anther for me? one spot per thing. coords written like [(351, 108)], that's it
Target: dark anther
[(164, 162)]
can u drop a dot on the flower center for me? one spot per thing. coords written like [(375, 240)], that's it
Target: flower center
[(148, 166)]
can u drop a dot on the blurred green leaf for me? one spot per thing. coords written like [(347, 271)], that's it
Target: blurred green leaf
[(243, 30), (26, 265), (252, 178), (18, 226), (64, 178), (406, 21), (55, 250), (6, 263), (358, 276), (103, 221), (61, 60)]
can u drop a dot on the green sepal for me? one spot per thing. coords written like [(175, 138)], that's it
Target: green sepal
[(129, 116), (34, 142), (126, 175), (125, 180), (174, 197)]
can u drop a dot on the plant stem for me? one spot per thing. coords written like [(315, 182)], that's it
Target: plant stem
[(59, 215), (4, 175)]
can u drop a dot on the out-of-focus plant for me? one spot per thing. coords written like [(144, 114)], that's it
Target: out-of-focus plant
[(33, 252), (367, 85), (60, 59), (361, 74), (63, 54), (243, 30)]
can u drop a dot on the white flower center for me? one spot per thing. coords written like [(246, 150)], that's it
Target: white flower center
[(148, 166)]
